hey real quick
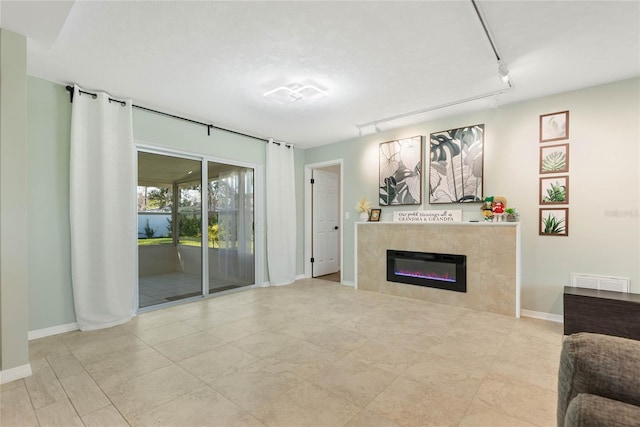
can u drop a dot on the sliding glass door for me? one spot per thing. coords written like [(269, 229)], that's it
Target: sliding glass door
[(231, 254), (169, 230), (171, 258)]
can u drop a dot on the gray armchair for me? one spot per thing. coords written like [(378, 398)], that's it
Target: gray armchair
[(599, 382)]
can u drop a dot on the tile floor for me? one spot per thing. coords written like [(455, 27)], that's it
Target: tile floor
[(315, 353)]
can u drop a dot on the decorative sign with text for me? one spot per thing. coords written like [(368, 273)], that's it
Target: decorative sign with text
[(428, 216)]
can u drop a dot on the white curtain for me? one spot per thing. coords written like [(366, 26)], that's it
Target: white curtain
[(281, 214), (235, 219), (102, 210)]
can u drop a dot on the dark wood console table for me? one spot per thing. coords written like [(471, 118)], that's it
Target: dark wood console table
[(601, 312)]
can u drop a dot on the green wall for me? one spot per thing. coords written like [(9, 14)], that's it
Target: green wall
[(14, 261), (604, 235)]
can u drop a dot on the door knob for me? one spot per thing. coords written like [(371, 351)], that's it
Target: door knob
[(335, 228)]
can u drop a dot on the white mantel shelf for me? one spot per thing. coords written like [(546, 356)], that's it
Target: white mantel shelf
[(475, 224), (493, 261)]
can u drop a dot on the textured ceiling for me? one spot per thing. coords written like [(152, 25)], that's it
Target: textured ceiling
[(212, 61)]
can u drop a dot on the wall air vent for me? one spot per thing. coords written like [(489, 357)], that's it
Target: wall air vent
[(603, 283)]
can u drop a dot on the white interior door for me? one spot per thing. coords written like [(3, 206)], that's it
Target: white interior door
[(326, 242)]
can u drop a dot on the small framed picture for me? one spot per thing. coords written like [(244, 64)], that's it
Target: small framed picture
[(554, 159), (375, 215), (554, 190), (554, 126), (554, 221)]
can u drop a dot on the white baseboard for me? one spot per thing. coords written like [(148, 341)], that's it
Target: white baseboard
[(558, 318), (301, 276), (349, 283), (54, 330), (16, 373)]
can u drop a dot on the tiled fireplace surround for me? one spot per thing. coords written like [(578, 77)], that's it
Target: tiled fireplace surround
[(492, 250)]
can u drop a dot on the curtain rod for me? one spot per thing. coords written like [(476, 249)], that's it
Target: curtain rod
[(208, 126)]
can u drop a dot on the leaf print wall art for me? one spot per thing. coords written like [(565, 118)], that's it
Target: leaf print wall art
[(554, 158), (401, 172), (554, 190), (554, 126), (456, 165), (554, 222)]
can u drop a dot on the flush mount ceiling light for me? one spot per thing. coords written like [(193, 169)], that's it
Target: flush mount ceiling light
[(295, 92)]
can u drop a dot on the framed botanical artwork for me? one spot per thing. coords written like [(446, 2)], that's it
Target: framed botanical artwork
[(554, 190), (456, 165), (375, 215), (554, 221), (401, 172), (554, 126), (554, 158)]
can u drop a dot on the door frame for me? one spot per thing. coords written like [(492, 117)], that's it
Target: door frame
[(308, 223)]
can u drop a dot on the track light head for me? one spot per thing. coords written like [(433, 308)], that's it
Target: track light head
[(503, 71)]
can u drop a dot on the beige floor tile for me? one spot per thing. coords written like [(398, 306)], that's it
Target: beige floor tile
[(266, 343), (150, 320), (48, 346), (338, 340), (460, 379), (308, 405), (217, 363), (39, 363), (410, 362), (479, 416), (65, 366), (256, 385), (369, 419), (109, 373), (212, 319), (353, 380), (407, 404), (152, 390), (238, 329), (535, 405), (385, 356), (201, 407), (304, 359), (105, 417), (415, 342), (12, 385), (189, 346), (16, 409), (303, 327), (44, 388), (529, 367), (59, 414), (97, 348), (478, 320), (166, 333), (84, 393)]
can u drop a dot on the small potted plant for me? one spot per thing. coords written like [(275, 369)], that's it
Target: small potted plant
[(364, 207), (512, 215)]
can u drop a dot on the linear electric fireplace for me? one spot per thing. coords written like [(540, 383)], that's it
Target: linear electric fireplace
[(433, 270)]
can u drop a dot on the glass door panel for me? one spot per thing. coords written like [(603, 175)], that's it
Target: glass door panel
[(231, 253), (169, 228)]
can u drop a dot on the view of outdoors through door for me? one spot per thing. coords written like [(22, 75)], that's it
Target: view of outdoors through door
[(231, 252), (170, 228)]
